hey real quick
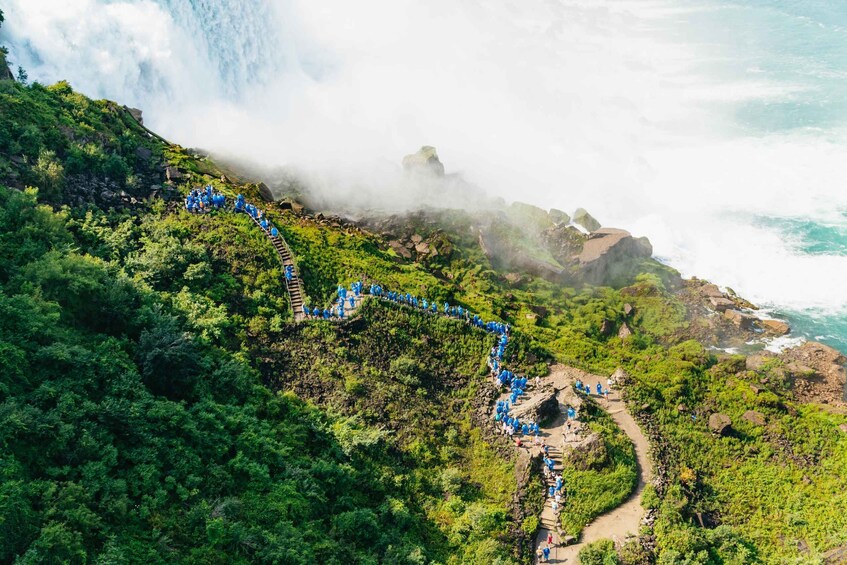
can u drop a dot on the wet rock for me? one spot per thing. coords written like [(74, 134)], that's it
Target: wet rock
[(558, 217), (776, 327), (586, 220), (740, 319), (425, 161), (721, 304), (711, 291), (720, 423), (754, 417)]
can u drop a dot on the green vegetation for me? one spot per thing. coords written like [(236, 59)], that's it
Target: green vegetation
[(599, 553), (607, 483), (156, 406)]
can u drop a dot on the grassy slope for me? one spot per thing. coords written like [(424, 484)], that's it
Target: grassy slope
[(216, 277)]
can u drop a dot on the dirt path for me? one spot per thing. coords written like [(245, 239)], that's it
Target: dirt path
[(616, 524)]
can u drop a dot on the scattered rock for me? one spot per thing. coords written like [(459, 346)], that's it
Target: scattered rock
[(754, 417), (422, 248), (586, 220), (137, 114), (836, 556), (569, 540), (624, 332), (417, 238), (681, 408), (720, 423), (143, 153), (400, 249), (843, 428), (607, 327), (628, 309), (776, 327), (425, 161), (721, 304), (740, 319), (172, 173), (711, 291)]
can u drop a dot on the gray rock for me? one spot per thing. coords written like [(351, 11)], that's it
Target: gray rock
[(590, 453), (425, 161), (586, 220), (720, 423), (559, 217), (754, 417)]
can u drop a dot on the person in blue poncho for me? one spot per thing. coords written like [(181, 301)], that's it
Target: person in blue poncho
[(352, 301), (306, 310)]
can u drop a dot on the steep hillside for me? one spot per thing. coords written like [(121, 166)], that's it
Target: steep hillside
[(159, 405)]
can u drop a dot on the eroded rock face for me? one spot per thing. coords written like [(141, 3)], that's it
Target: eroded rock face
[(539, 407), (424, 161), (607, 247)]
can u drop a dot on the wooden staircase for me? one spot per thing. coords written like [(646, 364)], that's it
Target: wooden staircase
[(296, 292)]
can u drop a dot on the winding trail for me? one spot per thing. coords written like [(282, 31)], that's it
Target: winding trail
[(617, 524)]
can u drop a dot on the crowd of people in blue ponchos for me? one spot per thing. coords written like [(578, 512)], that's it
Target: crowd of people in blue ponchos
[(202, 200), (586, 388)]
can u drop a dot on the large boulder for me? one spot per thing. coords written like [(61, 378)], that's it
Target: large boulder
[(425, 161), (265, 192), (619, 377), (539, 407), (590, 453), (586, 220), (720, 424), (741, 319), (776, 327), (607, 247)]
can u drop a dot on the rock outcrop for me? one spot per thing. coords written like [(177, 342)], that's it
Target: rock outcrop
[(425, 161), (586, 220), (608, 247), (590, 453), (539, 407), (558, 217)]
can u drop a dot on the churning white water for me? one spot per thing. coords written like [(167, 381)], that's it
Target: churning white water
[(714, 127)]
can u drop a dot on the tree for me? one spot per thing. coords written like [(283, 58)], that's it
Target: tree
[(23, 77)]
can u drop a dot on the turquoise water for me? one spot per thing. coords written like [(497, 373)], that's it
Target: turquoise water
[(800, 45)]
